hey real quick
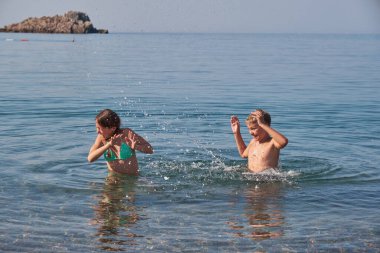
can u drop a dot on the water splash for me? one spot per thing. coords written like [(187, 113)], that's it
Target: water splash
[(210, 172)]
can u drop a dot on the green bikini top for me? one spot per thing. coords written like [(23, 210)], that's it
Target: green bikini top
[(125, 153)]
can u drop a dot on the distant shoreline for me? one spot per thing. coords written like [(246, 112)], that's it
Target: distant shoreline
[(72, 22)]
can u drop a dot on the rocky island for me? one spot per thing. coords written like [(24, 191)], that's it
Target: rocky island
[(70, 22)]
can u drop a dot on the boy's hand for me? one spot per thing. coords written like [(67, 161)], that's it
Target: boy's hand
[(235, 124), (259, 116)]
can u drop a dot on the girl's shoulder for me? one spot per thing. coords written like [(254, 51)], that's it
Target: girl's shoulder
[(126, 131)]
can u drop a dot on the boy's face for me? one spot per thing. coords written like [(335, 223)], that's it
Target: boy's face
[(256, 131)]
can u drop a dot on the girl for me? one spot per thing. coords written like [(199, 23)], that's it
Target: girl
[(118, 145)]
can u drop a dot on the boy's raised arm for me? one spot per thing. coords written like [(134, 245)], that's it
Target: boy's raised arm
[(235, 126), (279, 139)]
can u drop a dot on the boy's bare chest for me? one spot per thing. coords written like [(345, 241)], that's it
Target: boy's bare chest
[(260, 151)]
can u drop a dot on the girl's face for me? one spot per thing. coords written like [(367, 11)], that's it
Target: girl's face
[(106, 132)]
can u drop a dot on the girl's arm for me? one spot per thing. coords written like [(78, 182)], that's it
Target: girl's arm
[(97, 149), (137, 142)]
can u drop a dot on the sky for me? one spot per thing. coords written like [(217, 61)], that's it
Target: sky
[(213, 16)]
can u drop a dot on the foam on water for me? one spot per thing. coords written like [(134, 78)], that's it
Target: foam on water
[(272, 175), (215, 172)]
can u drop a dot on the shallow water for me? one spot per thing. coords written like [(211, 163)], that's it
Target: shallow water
[(194, 193)]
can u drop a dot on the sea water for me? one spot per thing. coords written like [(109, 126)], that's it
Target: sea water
[(194, 194)]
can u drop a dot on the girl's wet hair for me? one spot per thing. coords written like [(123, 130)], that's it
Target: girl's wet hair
[(108, 118), (266, 117)]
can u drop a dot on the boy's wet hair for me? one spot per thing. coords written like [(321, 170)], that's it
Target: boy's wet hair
[(266, 118), (108, 118)]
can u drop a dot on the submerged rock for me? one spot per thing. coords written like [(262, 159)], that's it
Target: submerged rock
[(71, 22)]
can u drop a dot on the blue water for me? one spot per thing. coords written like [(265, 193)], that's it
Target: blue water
[(193, 194)]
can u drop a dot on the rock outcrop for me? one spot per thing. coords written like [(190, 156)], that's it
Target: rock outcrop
[(71, 22)]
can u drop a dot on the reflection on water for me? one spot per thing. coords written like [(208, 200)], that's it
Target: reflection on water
[(263, 215), (116, 213)]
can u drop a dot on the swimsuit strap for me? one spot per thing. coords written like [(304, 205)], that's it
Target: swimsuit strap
[(109, 155)]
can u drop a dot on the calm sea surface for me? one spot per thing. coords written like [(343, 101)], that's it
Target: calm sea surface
[(194, 193)]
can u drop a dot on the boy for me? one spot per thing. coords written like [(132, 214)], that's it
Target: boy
[(263, 151)]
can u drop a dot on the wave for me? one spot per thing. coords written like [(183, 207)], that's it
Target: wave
[(321, 170), (220, 170), (217, 170)]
